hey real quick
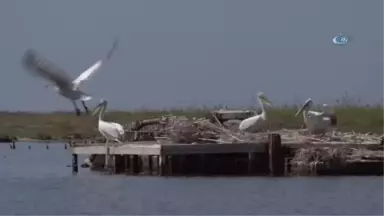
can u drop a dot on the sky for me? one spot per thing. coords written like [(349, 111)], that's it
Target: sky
[(178, 53)]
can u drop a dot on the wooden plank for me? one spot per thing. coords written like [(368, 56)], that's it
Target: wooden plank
[(152, 148), (120, 150), (88, 150), (211, 148), (296, 145), (138, 149)]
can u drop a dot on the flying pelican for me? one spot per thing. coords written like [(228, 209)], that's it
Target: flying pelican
[(317, 122), (110, 130), (256, 123), (59, 79)]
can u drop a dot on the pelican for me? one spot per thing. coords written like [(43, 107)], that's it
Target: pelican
[(110, 130), (59, 79), (256, 123), (317, 122)]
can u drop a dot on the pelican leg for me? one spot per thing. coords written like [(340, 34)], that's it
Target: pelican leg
[(85, 107), (78, 112)]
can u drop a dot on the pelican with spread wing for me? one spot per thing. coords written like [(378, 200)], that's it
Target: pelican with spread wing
[(60, 80), (110, 130), (317, 122)]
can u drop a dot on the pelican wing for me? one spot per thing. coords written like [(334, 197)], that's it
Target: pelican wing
[(111, 130), (42, 67), (252, 124), (95, 67), (118, 127), (87, 74), (314, 113)]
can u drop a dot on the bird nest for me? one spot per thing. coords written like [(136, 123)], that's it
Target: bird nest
[(306, 158), (180, 129)]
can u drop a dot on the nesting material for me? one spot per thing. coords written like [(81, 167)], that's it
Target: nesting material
[(306, 159), (180, 129)]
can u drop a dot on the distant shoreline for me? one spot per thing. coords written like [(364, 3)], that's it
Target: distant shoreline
[(58, 127), (29, 140)]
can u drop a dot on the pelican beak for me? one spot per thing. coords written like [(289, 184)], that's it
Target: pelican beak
[(97, 109), (299, 111), (305, 106), (265, 100)]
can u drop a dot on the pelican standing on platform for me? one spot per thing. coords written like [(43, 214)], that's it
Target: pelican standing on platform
[(256, 123), (110, 130), (61, 82), (317, 122)]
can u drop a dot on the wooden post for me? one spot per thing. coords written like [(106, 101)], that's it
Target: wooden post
[(106, 165), (131, 164), (135, 164), (114, 163), (75, 165), (202, 164), (13, 145), (126, 168), (276, 162), (162, 162), (169, 165), (150, 165), (251, 161), (286, 166)]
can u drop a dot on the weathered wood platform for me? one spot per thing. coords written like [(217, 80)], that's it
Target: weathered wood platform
[(149, 157), (152, 148)]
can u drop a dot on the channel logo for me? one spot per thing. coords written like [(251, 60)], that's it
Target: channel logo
[(340, 39)]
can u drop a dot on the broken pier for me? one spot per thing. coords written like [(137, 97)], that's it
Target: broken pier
[(269, 158)]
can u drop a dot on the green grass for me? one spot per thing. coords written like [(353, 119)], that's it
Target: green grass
[(60, 125)]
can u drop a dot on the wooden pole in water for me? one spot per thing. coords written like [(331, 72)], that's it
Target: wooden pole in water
[(162, 163), (13, 144), (251, 161), (106, 163), (150, 164), (135, 164), (75, 165), (276, 160), (126, 157)]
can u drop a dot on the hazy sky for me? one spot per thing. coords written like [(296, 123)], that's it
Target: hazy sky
[(179, 53)]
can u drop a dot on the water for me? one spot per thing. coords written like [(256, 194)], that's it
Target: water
[(38, 181)]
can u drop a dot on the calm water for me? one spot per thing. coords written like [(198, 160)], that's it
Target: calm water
[(38, 181)]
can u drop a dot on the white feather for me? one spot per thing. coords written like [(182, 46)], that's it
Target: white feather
[(86, 74)]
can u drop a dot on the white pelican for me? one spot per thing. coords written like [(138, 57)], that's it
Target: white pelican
[(110, 130), (317, 122), (61, 82), (256, 123)]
